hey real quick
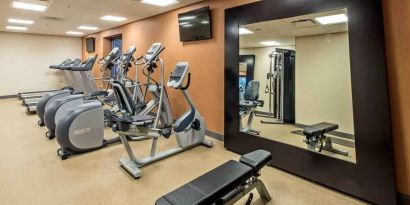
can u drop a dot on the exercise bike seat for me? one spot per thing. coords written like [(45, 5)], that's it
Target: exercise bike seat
[(319, 129)]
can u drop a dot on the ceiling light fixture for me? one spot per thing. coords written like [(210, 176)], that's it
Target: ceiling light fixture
[(20, 21), (160, 2), (270, 43), (74, 33), (90, 28), (204, 22), (187, 25), (20, 28), (244, 31), (333, 19), (113, 18), (28, 6)]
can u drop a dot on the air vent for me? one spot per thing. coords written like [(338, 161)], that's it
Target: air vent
[(303, 23), (52, 18)]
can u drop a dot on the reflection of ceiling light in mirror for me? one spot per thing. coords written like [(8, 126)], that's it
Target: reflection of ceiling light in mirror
[(19, 21), (90, 28), (160, 2), (187, 25), (187, 18), (183, 23), (27, 6), (333, 19), (74, 33), (20, 28), (113, 18), (270, 43), (244, 31), (204, 22)]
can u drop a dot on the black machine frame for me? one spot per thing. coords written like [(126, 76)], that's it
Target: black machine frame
[(372, 177)]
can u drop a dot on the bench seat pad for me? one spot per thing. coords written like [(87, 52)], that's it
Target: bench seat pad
[(209, 187), (318, 129), (256, 159)]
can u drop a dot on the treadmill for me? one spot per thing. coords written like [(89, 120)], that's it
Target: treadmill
[(30, 103), (38, 94)]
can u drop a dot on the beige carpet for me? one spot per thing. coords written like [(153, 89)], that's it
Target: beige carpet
[(32, 173)]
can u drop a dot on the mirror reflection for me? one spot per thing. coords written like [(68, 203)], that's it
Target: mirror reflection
[(295, 83)]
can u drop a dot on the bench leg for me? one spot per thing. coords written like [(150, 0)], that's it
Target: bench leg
[(328, 146), (263, 192)]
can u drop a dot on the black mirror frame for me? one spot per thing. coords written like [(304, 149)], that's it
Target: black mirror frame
[(372, 177)]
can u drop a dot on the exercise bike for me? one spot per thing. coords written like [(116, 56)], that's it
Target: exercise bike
[(189, 128)]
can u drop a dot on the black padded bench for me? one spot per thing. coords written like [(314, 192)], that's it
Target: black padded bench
[(225, 184), (317, 140)]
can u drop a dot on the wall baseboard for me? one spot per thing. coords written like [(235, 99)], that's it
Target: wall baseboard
[(215, 135), (8, 96), (403, 199)]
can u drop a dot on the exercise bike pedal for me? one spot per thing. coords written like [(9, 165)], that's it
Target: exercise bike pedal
[(167, 132)]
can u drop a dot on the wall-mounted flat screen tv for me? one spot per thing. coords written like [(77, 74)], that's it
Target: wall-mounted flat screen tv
[(195, 25), (90, 44)]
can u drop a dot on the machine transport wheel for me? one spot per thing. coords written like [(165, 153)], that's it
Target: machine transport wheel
[(50, 135), (62, 154), (41, 124)]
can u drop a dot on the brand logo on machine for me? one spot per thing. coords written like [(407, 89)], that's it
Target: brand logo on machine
[(82, 131)]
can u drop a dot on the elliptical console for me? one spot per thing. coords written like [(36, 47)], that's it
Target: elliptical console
[(177, 77)]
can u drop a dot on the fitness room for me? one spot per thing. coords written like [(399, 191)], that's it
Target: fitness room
[(205, 102)]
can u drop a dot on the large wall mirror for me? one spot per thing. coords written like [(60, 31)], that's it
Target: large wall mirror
[(299, 81), (306, 80)]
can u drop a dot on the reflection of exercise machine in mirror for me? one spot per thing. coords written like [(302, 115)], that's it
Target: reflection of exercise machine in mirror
[(280, 87), (248, 93), (247, 106)]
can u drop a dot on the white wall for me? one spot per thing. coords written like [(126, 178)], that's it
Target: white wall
[(323, 81), (24, 61), (262, 62)]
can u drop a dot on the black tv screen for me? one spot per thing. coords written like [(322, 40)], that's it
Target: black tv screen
[(89, 44), (195, 25)]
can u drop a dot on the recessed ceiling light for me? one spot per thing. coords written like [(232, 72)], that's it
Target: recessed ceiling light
[(27, 6), (90, 28), (244, 31), (20, 28), (204, 22), (333, 19), (74, 33), (160, 2), (113, 18), (187, 25), (187, 18), (20, 21), (270, 43)]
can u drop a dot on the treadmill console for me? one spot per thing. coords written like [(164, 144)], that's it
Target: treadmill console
[(178, 75), (153, 52)]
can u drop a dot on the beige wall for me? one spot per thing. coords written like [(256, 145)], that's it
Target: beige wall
[(262, 63), (323, 81), (25, 59)]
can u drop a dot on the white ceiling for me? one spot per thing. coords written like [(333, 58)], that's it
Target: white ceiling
[(284, 31), (73, 13)]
